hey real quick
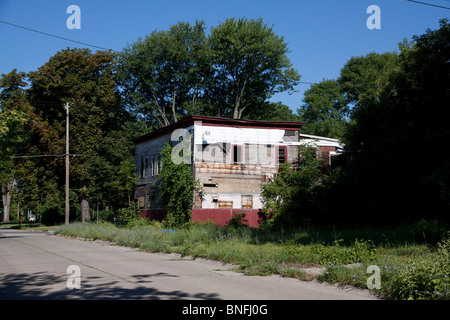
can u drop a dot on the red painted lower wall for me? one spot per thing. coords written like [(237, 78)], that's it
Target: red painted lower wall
[(218, 216), (222, 216), (153, 214)]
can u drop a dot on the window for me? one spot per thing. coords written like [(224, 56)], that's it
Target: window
[(237, 154), (246, 202), (142, 171), (269, 150), (289, 133), (159, 163), (225, 204), (282, 154), (153, 167)]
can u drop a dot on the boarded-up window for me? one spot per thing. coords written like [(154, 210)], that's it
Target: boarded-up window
[(225, 204), (247, 202), (289, 133)]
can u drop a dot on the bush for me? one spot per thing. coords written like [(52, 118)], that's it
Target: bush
[(50, 214), (287, 199), (127, 216), (238, 220)]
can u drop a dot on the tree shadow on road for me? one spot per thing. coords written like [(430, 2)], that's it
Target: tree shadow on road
[(45, 286)]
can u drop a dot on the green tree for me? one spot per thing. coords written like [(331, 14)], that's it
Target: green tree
[(272, 111), (363, 79), (162, 75), (86, 81), (325, 110), (250, 65), (14, 122), (397, 168), (287, 199), (12, 125)]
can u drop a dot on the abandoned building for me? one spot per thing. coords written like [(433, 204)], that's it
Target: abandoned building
[(230, 158)]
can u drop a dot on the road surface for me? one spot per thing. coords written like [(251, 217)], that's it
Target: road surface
[(36, 265)]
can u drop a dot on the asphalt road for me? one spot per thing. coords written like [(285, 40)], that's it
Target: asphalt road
[(36, 265)]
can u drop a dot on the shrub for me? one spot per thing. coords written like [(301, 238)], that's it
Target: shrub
[(51, 214), (238, 220)]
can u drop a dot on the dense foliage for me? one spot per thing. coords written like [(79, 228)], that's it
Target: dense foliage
[(176, 188), (232, 72), (100, 132), (395, 168)]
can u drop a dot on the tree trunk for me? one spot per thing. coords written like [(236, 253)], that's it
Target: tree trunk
[(85, 214), (237, 114), (6, 198), (174, 113)]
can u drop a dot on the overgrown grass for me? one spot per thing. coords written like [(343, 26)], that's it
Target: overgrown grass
[(414, 259)]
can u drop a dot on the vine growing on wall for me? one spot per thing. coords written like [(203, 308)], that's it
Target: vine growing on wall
[(176, 189)]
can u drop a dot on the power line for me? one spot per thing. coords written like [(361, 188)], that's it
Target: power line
[(55, 36), (429, 4), (49, 155), (40, 156)]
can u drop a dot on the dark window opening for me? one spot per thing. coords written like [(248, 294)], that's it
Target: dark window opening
[(282, 155), (237, 154), (142, 171)]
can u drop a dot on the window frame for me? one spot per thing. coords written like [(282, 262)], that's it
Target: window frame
[(285, 154), (233, 153)]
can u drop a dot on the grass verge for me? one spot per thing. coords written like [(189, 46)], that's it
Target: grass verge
[(413, 260)]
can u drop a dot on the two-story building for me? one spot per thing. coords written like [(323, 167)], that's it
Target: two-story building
[(231, 159)]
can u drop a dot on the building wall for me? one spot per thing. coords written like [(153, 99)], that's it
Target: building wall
[(237, 185), (147, 155)]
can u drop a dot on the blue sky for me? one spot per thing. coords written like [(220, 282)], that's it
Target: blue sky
[(322, 34)]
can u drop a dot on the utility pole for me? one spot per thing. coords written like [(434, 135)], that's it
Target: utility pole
[(66, 106)]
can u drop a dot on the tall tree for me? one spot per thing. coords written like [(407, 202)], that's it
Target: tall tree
[(363, 79), (13, 131), (325, 110), (162, 75), (272, 111), (250, 63), (398, 169), (86, 81)]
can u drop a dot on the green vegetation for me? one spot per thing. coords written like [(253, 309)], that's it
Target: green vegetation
[(177, 189), (414, 259)]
